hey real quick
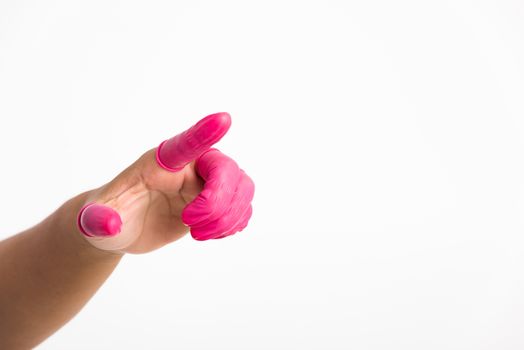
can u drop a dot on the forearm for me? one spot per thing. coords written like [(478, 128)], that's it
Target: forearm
[(47, 274)]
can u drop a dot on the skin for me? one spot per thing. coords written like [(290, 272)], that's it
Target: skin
[(50, 271), (150, 201)]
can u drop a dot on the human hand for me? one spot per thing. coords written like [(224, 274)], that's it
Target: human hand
[(179, 186)]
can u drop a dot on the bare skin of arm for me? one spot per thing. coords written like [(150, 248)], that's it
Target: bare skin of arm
[(47, 274), (50, 271)]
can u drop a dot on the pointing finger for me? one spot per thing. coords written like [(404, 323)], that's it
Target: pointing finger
[(175, 153)]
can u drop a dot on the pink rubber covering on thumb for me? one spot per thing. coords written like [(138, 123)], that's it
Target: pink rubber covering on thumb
[(96, 220), (175, 153)]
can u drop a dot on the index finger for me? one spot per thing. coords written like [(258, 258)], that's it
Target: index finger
[(174, 153)]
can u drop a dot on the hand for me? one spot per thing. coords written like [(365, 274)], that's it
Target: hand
[(181, 185)]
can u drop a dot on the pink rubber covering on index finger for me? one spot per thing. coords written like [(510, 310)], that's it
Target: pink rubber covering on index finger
[(175, 153)]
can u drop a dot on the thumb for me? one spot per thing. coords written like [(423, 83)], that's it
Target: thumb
[(175, 153), (97, 220)]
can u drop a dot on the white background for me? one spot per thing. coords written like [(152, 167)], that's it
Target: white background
[(385, 139)]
